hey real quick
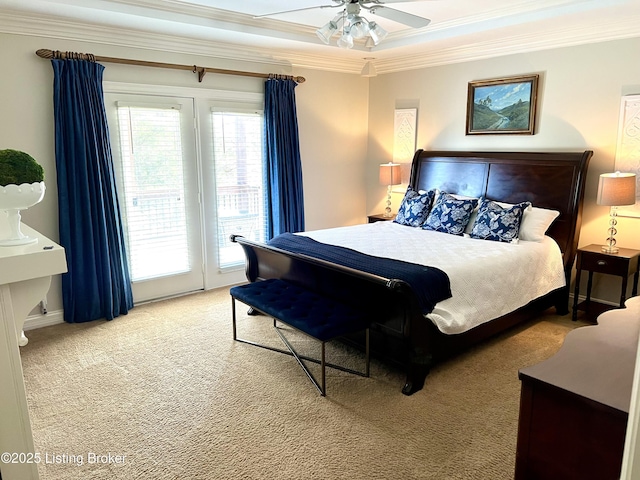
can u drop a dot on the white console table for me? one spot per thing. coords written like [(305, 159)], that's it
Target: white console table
[(25, 277)]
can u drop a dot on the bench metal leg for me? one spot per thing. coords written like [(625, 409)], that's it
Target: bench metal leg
[(323, 370), (321, 388), (366, 348), (233, 316), (291, 351)]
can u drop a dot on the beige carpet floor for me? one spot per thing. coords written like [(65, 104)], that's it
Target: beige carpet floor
[(167, 393)]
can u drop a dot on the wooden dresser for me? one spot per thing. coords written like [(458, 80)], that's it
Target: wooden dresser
[(574, 406)]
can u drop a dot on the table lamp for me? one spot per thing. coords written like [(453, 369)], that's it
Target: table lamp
[(389, 175), (614, 190)]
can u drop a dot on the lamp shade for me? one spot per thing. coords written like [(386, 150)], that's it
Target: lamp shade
[(615, 189), (377, 33), (390, 174), (324, 33)]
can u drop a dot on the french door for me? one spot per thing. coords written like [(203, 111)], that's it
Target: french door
[(189, 173), (154, 149)]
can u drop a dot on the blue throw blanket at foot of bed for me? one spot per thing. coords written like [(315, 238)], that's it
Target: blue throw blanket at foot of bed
[(430, 285)]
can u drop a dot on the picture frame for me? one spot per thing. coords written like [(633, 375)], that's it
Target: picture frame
[(502, 106)]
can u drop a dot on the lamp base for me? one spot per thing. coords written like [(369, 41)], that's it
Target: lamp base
[(610, 246), (387, 210), (612, 249)]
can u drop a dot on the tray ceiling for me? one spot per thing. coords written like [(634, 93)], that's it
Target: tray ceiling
[(460, 30)]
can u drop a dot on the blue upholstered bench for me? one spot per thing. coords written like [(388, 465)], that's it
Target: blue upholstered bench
[(318, 316)]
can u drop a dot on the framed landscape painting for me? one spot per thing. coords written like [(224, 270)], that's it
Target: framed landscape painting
[(503, 105)]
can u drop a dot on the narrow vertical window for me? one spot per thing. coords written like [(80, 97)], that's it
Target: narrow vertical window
[(239, 177)]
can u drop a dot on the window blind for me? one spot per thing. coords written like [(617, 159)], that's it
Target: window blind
[(239, 177), (153, 181)]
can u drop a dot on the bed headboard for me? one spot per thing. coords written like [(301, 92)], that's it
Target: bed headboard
[(553, 180)]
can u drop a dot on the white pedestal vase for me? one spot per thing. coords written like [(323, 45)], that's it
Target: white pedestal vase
[(14, 198)]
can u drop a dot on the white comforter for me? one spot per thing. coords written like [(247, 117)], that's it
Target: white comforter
[(488, 279)]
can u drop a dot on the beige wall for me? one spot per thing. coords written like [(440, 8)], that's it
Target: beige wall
[(333, 123), (346, 122), (579, 103), (332, 116)]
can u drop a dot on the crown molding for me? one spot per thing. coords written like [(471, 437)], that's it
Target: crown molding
[(46, 26), (63, 29), (515, 44)]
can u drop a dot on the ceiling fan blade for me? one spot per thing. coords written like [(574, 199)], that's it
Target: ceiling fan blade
[(380, 2), (400, 17), (297, 10)]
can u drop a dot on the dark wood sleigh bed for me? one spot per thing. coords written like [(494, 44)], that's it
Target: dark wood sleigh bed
[(399, 331)]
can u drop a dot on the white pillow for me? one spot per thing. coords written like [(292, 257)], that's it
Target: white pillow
[(535, 223), (463, 197), (472, 220), (454, 195)]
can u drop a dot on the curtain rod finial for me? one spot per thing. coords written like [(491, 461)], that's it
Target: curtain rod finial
[(44, 53)]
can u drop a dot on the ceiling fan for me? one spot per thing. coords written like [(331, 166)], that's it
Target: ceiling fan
[(355, 26)]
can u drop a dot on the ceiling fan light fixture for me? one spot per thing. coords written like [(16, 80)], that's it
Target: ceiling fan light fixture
[(377, 33), (326, 32), (359, 27), (354, 27), (345, 40), (350, 25)]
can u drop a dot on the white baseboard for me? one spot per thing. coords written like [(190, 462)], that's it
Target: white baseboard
[(582, 298), (53, 318), (38, 321)]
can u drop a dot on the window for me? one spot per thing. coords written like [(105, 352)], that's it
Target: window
[(239, 177), (153, 181), (189, 172)]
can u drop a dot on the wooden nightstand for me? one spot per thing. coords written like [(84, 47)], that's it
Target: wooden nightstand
[(379, 217), (593, 259)]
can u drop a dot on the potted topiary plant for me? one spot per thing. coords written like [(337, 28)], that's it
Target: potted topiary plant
[(21, 186)]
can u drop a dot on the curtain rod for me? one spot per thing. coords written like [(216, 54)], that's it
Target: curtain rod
[(201, 71)]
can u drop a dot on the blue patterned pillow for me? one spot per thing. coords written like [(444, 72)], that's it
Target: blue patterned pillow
[(449, 214), (498, 223), (415, 207)]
